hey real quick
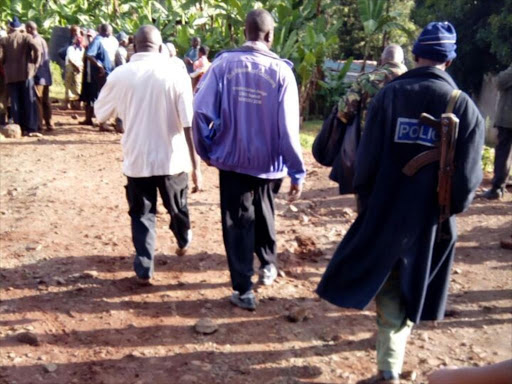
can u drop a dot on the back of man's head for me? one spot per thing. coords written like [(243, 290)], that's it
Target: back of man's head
[(148, 39), (392, 53), (31, 27), (259, 26), (103, 29)]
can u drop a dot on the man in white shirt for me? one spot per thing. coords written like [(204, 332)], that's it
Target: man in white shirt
[(109, 42), (155, 105)]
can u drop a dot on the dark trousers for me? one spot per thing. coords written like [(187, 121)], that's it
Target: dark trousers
[(247, 208), (503, 157), (141, 193), (44, 106), (24, 105)]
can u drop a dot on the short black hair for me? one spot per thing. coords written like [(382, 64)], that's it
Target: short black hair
[(257, 23), (204, 50), (103, 28)]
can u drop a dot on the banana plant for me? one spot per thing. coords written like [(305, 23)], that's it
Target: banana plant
[(377, 20)]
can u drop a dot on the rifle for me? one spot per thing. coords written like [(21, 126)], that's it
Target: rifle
[(447, 127)]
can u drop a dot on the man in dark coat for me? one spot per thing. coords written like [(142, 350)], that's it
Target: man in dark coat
[(392, 251), (20, 56)]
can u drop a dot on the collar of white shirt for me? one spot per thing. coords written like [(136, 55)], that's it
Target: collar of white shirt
[(146, 56), (256, 44)]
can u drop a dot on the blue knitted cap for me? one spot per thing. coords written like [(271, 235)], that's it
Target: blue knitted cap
[(437, 42), (15, 23)]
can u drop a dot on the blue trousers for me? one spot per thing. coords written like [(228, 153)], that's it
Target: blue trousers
[(141, 193), (24, 105)]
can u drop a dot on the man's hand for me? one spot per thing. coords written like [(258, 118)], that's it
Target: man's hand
[(197, 180), (295, 192), (188, 61)]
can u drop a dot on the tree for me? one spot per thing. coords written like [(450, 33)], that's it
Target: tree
[(483, 35), (378, 21)]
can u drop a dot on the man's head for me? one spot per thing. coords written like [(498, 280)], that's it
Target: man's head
[(31, 28), (436, 45), (196, 42), (103, 30), (171, 48), (392, 53), (122, 37), (148, 39), (204, 50), (259, 26), (74, 31)]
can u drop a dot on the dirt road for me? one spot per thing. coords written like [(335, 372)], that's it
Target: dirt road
[(66, 277)]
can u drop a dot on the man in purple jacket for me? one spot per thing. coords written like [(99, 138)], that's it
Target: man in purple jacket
[(246, 123)]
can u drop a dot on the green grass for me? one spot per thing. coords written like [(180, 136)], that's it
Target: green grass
[(308, 133), (488, 159), (57, 90)]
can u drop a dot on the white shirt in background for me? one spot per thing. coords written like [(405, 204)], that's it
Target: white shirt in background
[(75, 55), (110, 44), (152, 95)]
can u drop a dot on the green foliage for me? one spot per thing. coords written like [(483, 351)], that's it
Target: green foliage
[(57, 90), (331, 90), (488, 159), (378, 21), (483, 35), (308, 133)]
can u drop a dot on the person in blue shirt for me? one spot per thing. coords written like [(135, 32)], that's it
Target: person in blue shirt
[(192, 54), (97, 67)]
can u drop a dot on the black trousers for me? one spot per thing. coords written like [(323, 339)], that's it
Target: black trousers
[(503, 158), (247, 208), (24, 104), (141, 193)]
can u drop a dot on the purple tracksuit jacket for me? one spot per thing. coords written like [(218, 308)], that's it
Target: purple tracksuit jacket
[(246, 115)]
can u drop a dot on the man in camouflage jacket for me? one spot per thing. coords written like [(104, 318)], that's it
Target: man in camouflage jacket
[(368, 84)]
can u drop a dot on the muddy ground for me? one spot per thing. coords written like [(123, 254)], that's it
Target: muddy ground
[(66, 277)]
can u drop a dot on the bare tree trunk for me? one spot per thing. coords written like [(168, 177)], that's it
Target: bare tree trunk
[(115, 7)]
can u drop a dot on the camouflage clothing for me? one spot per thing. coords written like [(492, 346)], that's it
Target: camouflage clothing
[(364, 88)]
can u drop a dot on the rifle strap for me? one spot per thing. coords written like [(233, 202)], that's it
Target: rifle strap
[(453, 99), (423, 159)]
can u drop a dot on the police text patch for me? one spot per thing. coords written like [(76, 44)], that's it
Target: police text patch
[(412, 131)]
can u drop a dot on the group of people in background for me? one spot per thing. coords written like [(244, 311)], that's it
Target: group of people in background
[(89, 58), (25, 78)]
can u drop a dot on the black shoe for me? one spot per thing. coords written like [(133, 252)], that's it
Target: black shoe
[(383, 377), (493, 194), (245, 301)]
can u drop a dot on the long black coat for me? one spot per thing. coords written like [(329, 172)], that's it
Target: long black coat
[(399, 219)]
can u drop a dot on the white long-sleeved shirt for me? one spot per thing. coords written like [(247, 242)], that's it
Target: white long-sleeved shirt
[(153, 96), (111, 44), (75, 55)]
